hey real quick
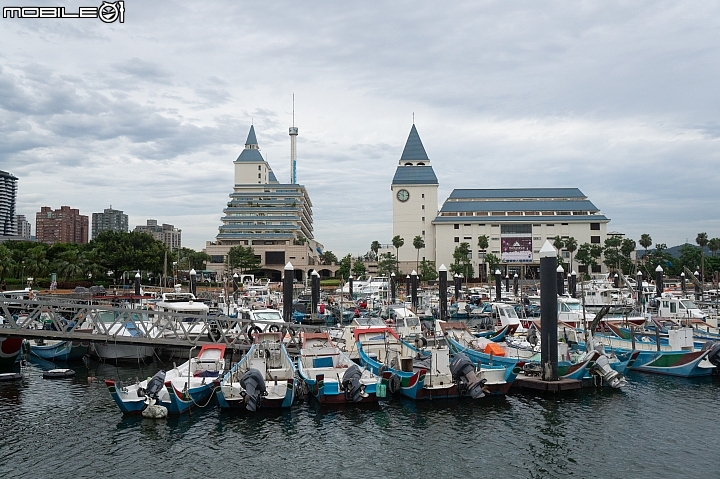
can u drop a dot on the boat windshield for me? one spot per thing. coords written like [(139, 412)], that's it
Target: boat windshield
[(571, 307), (687, 304), (268, 316), (412, 321), (508, 312)]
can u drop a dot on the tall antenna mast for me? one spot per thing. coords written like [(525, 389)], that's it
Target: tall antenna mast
[(293, 140)]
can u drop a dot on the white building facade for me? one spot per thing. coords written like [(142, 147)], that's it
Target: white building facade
[(273, 218), (516, 221)]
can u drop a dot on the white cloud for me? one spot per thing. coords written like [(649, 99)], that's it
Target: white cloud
[(617, 99)]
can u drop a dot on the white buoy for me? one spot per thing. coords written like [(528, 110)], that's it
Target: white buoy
[(155, 411)]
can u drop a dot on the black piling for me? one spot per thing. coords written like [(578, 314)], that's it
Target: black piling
[(682, 284), (314, 291), (392, 288), (414, 283), (498, 285), (235, 286), (288, 292), (572, 284), (659, 286), (350, 289), (616, 281), (516, 284), (137, 284), (456, 283), (507, 283), (548, 312), (559, 280), (697, 288), (407, 288), (639, 280), (442, 273)]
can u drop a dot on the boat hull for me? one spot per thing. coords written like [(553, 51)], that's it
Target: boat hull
[(271, 401), (9, 350), (122, 352)]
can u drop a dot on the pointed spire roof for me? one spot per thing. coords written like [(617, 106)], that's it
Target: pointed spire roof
[(414, 149), (251, 140), (252, 151)]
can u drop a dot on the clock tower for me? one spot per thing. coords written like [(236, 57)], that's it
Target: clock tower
[(414, 188)]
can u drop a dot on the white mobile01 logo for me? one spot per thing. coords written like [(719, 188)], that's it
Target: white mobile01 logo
[(108, 12)]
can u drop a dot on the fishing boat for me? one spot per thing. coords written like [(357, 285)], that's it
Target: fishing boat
[(516, 352), (263, 378), (58, 350), (679, 357), (330, 375), (421, 373), (182, 387)]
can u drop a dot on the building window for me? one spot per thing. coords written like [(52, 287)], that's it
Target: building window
[(423, 218), (457, 239), (466, 225), (259, 175), (457, 227), (564, 224), (423, 195), (595, 240), (423, 232), (596, 268), (537, 226), (550, 224), (467, 237), (594, 226), (423, 206), (259, 167)]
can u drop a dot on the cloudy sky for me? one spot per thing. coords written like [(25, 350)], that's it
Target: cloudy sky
[(618, 99)]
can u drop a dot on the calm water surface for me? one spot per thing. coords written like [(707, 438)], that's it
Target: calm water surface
[(657, 427)]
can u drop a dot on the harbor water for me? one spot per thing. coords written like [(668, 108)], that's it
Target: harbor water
[(656, 427)]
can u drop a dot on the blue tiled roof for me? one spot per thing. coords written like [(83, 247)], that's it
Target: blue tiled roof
[(250, 155), (414, 149), (414, 175), (509, 193), (521, 219), (271, 177), (529, 205), (251, 140)]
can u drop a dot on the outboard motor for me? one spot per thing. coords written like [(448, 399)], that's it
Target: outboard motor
[(253, 384), (354, 391), (154, 386), (714, 354), (598, 346), (463, 371), (612, 378)]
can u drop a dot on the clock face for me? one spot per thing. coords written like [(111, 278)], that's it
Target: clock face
[(403, 195)]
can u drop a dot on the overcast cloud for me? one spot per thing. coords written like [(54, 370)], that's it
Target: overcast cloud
[(618, 99)]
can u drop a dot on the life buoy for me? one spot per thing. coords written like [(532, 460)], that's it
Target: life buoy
[(394, 383), (293, 331), (274, 328), (253, 331)]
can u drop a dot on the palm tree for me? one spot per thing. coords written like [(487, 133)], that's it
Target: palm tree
[(375, 247), (571, 246), (6, 261), (702, 241), (483, 244), (645, 242), (418, 244), (714, 245), (397, 243)]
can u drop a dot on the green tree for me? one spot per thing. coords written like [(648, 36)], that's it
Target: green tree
[(645, 241), (588, 256), (461, 262), (612, 252), (690, 258), (483, 243), (571, 246), (242, 258), (358, 269), (418, 244), (328, 257), (626, 249), (387, 264), (73, 264), (559, 244), (344, 270), (397, 243), (427, 271), (657, 257), (493, 262), (122, 252), (375, 247), (7, 263), (702, 241), (714, 245)]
